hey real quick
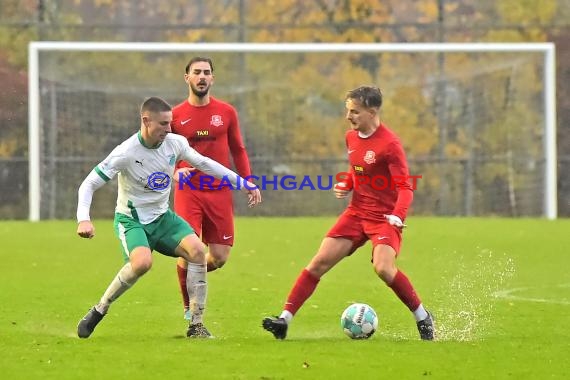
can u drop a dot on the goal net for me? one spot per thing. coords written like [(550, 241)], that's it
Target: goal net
[(477, 120)]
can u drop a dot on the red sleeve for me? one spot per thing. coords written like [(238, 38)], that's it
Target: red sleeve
[(237, 148), (174, 125), (349, 179), (398, 168)]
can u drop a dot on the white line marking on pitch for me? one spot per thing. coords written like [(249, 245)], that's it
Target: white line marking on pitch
[(507, 294)]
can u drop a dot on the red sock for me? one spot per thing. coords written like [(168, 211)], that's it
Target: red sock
[(403, 288), (182, 281), (301, 291)]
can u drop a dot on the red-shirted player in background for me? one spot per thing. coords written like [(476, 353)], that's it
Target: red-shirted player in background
[(212, 128), (376, 213)]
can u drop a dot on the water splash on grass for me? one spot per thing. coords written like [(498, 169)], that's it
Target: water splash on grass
[(466, 294)]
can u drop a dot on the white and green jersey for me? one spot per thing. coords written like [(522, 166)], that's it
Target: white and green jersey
[(145, 175)]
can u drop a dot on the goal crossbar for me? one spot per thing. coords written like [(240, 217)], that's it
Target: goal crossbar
[(547, 49)]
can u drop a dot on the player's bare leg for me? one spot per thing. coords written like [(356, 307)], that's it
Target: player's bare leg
[(384, 262), (140, 262), (217, 256)]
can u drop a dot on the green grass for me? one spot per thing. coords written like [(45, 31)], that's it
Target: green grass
[(500, 290)]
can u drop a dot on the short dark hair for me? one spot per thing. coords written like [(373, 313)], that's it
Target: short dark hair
[(199, 59), (368, 96), (155, 105)]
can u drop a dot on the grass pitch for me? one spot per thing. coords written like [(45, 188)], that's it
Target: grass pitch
[(499, 288)]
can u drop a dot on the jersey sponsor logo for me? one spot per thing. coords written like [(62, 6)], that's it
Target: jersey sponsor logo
[(382, 237), (185, 121), (358, 170), (351, 151), (158, 181), (172, 160), (139, 162), (370, 157), (227, 237), (202, 133), (216, 121)]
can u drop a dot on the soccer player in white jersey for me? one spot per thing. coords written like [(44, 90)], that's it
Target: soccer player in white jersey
[(143, 221)]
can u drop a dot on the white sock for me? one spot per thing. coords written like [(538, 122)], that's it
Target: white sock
[(287, 316), (420, 313), (120, 284), (197, 290)]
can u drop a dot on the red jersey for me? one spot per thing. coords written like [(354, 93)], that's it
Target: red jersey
[(379, 173), (213, 131)]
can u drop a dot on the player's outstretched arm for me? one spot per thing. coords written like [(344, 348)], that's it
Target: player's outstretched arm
[(90, 184)]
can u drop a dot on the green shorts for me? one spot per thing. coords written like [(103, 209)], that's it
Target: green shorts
[(163, 235)]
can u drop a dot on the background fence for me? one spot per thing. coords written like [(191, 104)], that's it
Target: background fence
[(469, 125)]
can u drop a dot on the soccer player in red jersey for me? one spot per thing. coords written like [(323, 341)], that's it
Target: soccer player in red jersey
[(376, 212), (212, 129)]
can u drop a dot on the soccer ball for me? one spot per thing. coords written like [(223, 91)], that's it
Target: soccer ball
[(359, 321)]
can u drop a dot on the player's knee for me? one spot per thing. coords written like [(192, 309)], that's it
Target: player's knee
[(384, 271), (141, 260), (141, 266), (199, 250), (214, 264), (196, 254)]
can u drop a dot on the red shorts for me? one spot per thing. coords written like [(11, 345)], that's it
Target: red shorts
[(360, 230), (210, 213)]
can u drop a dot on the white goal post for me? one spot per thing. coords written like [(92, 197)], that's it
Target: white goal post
[(549, 207)]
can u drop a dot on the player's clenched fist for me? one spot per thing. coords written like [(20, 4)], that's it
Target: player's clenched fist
[(85, 229), (394, 220), (183, 173), (342, 189)]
